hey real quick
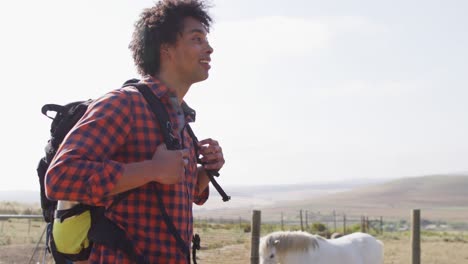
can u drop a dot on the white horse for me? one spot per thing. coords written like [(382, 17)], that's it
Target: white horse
[(336, 235), (298, 247)]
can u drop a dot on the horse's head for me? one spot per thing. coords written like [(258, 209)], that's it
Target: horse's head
[(281, 246), (268, 251)]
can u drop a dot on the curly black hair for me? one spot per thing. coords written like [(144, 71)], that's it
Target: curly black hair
[(161, 24)]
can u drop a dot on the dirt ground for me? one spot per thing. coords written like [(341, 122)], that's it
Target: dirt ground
[(396, 252), (21, 254), (220, 246)]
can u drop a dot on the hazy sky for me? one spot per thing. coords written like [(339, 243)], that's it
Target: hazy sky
[(299, 91)]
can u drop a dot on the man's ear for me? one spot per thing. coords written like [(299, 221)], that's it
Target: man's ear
[(164, 51)]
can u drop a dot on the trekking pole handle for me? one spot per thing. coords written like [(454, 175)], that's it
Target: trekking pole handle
[(213, 172), (217, 186)]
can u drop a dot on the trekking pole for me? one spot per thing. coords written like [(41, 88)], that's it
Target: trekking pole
[(163, 119), (37, 246), (210, 173), (213, 181)]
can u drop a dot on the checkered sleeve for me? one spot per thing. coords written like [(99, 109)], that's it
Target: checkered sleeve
[(82, 169), (202, 197)]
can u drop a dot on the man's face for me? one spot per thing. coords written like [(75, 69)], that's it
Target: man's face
[(191, 53)]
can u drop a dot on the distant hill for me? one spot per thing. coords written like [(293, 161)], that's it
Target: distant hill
[(443, 197), (256, 196), (438, 196), (28, 197), (241, 193), (433, 191)]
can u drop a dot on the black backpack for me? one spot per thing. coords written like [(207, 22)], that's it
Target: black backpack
[(102, 230)]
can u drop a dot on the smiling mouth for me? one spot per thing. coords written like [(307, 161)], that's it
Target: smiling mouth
[(206, 64)]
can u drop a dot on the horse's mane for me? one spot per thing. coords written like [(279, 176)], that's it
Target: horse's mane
[(294, 240)]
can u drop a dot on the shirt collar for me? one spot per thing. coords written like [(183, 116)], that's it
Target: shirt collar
[(156, 86), (160, 90), (189, 113)]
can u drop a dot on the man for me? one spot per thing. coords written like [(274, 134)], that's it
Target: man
[(117, 146)]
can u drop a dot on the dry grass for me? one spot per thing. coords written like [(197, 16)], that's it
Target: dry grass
[(437, 248), (229, 244), (20, 231), (445, 249)]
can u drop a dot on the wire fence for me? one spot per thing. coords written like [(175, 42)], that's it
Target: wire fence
[(22, 239), (28, 230)]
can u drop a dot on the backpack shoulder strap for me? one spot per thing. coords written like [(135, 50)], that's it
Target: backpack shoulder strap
[(161, 115), (172, 143), (166, 127)]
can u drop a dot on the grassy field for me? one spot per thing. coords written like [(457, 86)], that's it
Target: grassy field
[(442, 199), (230, 244)]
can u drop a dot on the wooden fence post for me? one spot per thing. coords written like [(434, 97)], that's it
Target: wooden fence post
[(381, 225), (367, 224), (255, 240), (334, 221), (282, 222), (416, 237), (362, 225), (344, 224), (307, 219), (300, 216)]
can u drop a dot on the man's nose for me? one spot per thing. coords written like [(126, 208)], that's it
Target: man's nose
[(209, 49)]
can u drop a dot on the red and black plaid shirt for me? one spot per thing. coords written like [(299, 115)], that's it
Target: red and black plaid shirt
[(119, 128)]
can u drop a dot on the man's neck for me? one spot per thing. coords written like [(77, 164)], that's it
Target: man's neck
[(173, 83)]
